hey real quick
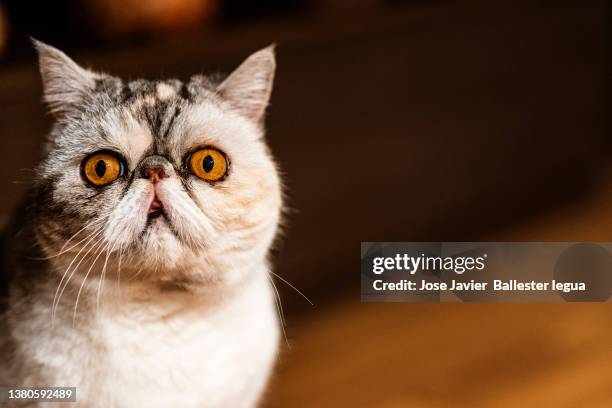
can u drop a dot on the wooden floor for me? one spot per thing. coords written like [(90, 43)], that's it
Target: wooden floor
[(458, 355)]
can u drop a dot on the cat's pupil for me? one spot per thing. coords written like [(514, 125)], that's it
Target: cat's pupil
[(100, 168), (208, 163)]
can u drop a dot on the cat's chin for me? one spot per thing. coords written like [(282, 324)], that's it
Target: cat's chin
[(157, 224), (160, 234)]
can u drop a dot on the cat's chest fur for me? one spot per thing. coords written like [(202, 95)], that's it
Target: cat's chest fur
[(178, 354)]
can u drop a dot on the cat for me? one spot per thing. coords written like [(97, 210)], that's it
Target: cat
[(139, 270)]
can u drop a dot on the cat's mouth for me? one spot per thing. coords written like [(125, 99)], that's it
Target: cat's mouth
[(156, 209)]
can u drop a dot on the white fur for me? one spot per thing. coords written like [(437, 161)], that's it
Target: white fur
[(187, 351)]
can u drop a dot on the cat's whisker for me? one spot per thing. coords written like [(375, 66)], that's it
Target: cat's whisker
[(96, 245), (76, 303), (279, 309), (121, 250), (91, 236), (68, 250), (63, 287), (103, 274), (87, 225), (292, 287), (64, 250)]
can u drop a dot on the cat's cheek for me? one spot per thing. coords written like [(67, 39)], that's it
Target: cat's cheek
[(251, 202)]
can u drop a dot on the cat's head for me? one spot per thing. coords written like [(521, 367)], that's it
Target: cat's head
[(172, 177)]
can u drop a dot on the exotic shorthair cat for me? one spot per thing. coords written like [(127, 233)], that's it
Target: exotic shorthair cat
[(138, 273)]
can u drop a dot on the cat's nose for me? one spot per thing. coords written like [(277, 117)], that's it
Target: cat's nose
[(155, 168), (154, 174)]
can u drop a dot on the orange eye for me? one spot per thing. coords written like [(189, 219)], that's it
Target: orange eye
[(209, 164), (101, 169)]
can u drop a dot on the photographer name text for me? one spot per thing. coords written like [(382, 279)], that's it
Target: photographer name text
[(472, 285)]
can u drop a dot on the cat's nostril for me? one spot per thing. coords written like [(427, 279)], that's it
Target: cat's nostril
[(154, 174), (154, 168)]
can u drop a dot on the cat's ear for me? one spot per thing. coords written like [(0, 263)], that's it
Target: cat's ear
[(65, 83), (248, 88)]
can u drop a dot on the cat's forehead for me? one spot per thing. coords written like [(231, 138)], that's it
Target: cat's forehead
[(136, 91), (162, 117), (150, 115)]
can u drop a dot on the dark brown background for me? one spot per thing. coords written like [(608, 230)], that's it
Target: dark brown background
[(397, 120)]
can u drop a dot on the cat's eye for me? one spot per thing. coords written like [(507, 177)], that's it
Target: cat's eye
[(208, 164), (102, 168)]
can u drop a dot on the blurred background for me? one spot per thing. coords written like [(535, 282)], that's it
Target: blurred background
[(392, 120)]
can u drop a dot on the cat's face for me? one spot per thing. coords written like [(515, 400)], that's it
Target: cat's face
[(173, 178)]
